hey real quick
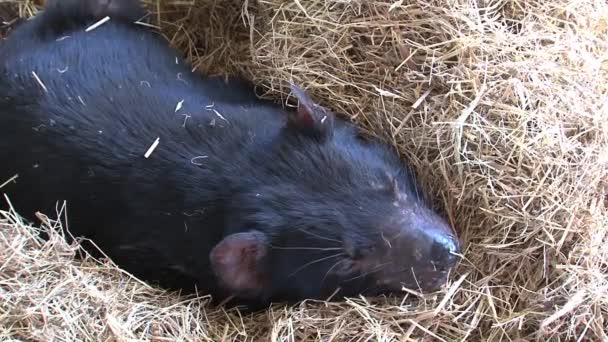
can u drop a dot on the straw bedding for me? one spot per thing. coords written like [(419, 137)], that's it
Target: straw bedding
[(500, 106)]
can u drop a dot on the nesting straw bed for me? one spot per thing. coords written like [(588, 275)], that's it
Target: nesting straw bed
[(500, 106)]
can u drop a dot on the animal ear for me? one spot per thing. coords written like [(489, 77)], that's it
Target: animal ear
[(237, 261), (310, 118)]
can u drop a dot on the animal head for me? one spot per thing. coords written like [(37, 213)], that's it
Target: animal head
[(331, 213)]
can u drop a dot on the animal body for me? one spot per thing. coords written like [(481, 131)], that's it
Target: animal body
[(191, 182)]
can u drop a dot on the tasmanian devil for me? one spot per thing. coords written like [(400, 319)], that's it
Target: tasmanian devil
[(190, 182)]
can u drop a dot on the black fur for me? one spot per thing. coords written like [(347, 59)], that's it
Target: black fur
[(226, 162)]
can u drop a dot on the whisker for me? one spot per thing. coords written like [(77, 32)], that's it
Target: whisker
[(364, 291), (314, 262), (307, 248), (373, 270), (331, 268), (319, 236)]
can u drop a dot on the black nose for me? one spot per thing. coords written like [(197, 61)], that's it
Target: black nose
[(444, 252)]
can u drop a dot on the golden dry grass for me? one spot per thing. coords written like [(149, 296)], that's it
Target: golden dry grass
[(502, 108)]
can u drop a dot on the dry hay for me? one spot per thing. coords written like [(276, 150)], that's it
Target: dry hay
[(501, 106)]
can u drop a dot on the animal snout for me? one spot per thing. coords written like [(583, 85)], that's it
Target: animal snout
[(427, 249), (437, 241), (444, 251)]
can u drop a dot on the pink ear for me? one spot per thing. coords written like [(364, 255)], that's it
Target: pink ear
[(237, 261), (310, 118)]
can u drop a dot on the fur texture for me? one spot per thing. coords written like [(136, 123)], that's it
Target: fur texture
[(240, 197)]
